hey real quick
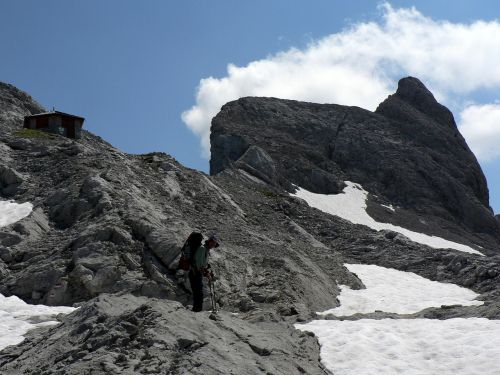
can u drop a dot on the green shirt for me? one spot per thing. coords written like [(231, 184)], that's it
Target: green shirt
[(200, 258)]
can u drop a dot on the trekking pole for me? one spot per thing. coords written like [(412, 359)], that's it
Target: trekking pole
[(215, 297), (212, 295)]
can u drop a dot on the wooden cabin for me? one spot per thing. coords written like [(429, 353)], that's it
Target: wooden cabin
[(56, 122)]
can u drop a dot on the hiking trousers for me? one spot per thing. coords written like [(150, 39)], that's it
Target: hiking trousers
[(196, 281)]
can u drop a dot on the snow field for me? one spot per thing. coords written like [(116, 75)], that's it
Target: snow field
[(390, 290), (351, 205), (405, 346), (409, 346), (16, 316)]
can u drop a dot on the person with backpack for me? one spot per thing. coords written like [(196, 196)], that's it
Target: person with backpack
[(199, 268)]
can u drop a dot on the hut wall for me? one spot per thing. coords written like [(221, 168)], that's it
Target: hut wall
[(55, 125), (78, 128)]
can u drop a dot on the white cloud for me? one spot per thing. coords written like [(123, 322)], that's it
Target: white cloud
[(360, 66), (480, 125)]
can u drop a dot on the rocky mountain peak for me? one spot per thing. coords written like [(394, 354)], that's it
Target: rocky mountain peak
[(412, 93), (409, 153)]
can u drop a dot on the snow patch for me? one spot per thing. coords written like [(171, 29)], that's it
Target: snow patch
[(17, 318), (390, 207), (10, 212), (351, 205), (400, 292), (409, 346)]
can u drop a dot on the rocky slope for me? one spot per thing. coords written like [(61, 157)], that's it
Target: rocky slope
[(106, 228), (108, 222)]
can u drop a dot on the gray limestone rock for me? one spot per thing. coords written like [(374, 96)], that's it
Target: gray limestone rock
[(130, 335), (93, 189), (9, 181), (14, 105), (5, 254), (230, 147), (35, 225), (258, 163)]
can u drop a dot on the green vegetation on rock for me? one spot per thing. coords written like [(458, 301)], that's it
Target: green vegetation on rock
[(32, 133)]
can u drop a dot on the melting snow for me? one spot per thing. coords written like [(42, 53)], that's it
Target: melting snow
[(10, 212), (390, 207), (390, 290), (409, 346), (351, 205), (16, 316)]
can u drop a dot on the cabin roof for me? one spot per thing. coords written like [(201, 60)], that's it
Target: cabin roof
[(54, 113)]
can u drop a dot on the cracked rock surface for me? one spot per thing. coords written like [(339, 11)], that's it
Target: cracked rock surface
[(138, 335)]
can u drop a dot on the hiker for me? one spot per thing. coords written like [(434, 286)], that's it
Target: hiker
[(200, 269)]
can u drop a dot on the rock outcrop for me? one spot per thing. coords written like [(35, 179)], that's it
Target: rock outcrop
[(137, 335), (409, 153)]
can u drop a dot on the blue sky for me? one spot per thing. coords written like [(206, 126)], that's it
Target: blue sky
[(133, 68)]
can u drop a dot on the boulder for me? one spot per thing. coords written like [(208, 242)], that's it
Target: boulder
[(257, 162), (5, 254), (9, 180), (34, 225), (67, 212)]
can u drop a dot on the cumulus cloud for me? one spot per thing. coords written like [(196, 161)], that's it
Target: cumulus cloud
[(480, 126), (360, 66)]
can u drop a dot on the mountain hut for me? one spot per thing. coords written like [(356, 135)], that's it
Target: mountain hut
[(56, 122)]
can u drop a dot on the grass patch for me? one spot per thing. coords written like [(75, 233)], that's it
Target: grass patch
[(33, 133), (268, 193)]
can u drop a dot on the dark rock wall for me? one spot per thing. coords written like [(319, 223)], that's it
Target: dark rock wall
[(448, 166)]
